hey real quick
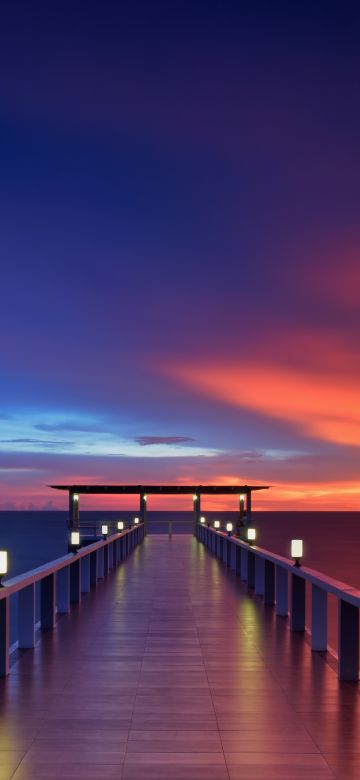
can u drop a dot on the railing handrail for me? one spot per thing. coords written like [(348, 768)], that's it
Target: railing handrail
[(336, 587), (21, 581)]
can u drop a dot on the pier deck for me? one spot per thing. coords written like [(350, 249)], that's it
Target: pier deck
[(171, 670)]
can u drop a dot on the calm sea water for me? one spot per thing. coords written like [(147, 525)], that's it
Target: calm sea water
[(331, 539)]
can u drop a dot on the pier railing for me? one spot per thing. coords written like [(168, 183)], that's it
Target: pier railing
[(62, 582), (270, 576)]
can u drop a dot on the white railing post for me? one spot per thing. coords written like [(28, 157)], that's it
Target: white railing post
[(26, 617), (63, 590), (259, 575), (93, 568), (251, 569), (269, 583), (4, 636), (348, 665), (318, 618), (75, 587), (282, 591), (85, 574), (100, 564), (48, 601), (244, 564)]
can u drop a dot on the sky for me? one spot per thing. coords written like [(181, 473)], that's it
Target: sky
[(179, 248)]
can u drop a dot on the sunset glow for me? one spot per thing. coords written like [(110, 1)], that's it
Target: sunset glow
[(180, 251)]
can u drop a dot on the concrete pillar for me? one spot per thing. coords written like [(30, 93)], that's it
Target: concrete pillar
[(318, 618), (348, 665), (26, 617), (74, 500)]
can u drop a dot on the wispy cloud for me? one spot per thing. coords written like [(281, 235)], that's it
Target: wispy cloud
[(42, 442), (72, 425), (146, 441)]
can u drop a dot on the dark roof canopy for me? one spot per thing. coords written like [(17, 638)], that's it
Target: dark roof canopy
[(162, 489)]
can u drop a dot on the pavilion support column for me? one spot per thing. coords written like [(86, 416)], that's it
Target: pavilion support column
[(240, 520), (248, 509), (74, 523), (143, 511), (196, 511)]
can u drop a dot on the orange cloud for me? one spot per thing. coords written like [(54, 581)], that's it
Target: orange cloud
[(323, 406)]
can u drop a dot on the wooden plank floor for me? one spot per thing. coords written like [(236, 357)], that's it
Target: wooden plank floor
[(171, 670)]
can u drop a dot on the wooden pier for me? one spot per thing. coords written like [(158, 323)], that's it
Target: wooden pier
[(171, 669)]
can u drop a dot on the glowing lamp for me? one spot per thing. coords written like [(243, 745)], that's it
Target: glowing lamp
[(217, 524), (75, 497), (75, 541), (297, 551), (136, 521), (251, 535), (195, 497), (104, 530), (202, 520), (145, 498), (3, 564), (229, 527), (120, 525)]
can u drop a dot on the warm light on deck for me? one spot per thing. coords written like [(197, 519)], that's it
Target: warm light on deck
[(251, 535), (75, 497), (217, 524), (136, 520), (229, 527), (202, 520), (120, 525), (104, 530)]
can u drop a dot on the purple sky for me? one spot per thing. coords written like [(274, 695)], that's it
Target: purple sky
[(180, 269)]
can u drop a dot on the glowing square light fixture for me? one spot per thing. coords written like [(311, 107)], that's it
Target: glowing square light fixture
[(202, 520), (75, 497), (217, 524), (251, 535), (105, 530), (136, 520), (120, 525), (297, 551), (75, 540), (229, 527), (145, 498), (3, 564), (195, 497)]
